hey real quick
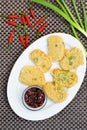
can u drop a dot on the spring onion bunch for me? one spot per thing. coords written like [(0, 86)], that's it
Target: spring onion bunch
[(65, 12)]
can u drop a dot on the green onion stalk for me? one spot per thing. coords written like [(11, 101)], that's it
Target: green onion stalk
[(65, 12)]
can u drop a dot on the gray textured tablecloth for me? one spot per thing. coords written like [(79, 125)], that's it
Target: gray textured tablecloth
[(74, 116)]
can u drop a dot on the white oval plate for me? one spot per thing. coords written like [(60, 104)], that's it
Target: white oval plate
[(15, 88)]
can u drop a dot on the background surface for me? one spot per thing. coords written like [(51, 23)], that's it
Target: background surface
[(75, 114)]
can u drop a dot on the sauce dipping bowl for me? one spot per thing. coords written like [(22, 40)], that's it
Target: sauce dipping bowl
[(34, 98)]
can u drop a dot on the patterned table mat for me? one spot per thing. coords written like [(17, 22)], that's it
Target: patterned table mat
[(74, 116)]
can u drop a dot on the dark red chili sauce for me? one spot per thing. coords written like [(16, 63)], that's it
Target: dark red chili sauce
[(34, 97)]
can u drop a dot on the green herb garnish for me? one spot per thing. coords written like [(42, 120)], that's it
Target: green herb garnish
[(61, 77), (34, 78), (56, 45), (70, 63), (36, 60), (71, 59)]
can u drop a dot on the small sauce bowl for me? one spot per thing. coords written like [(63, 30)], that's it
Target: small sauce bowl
[(34, 98)]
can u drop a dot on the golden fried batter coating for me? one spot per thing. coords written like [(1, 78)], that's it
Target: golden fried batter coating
[(65, 78), (72, 59), (55, 92), (32, 75), (56, 47), (41, 59)]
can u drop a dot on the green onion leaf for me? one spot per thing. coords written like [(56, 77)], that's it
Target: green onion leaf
[(69, 12), (75, 33), (72, 21), (85, 15), (62, 7), (77, 13), (56, 9)]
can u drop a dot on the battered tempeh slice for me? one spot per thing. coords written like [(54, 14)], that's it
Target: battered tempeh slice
[(41, 59), (56, 47), (65, 78), (55, 92), (72, 59), (32, 75)]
